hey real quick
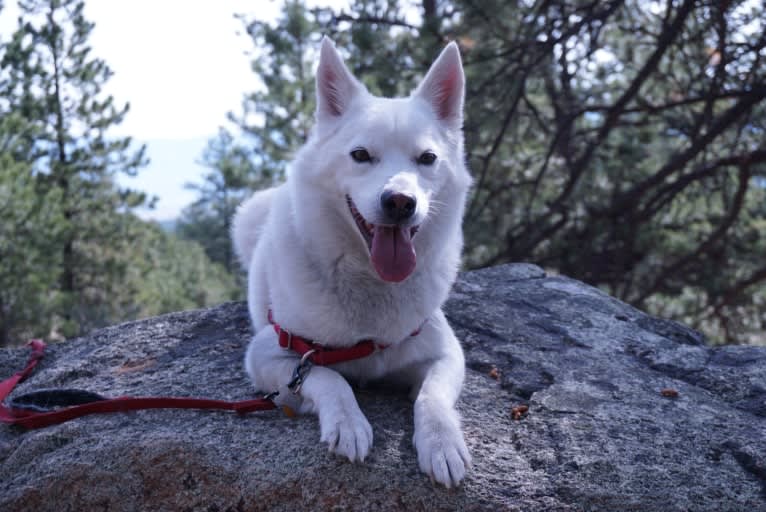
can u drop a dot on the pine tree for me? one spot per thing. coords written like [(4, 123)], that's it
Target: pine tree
[(53, 81), (230, 180), (29, 219), (282, 62), (171, 274)]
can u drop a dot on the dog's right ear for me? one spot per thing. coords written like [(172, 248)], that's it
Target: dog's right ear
[(336, 86), (444, 86)]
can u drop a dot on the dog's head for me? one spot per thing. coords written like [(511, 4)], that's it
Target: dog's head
[(392, 165)]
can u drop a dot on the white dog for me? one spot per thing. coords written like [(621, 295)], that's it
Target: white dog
[(363, 242)]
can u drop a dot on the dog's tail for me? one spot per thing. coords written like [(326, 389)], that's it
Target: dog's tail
[(248, 224)]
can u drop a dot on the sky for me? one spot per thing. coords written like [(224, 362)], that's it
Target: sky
[(182, 65)]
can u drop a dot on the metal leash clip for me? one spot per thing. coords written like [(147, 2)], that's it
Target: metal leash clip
[(271, 396), (300, 372)]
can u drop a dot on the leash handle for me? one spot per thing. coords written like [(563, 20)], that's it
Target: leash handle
[(6, 386), (26, 411)]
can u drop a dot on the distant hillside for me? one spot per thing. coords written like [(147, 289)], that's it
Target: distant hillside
[(169, 225)]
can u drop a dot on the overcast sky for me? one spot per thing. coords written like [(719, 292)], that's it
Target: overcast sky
[(182, 67)]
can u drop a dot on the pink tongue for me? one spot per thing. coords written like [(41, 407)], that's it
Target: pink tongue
[(393, 255)]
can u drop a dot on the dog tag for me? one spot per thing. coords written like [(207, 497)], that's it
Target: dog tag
[(289, 402)]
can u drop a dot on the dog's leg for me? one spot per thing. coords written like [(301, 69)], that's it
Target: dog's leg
[(343, 426), (257, 291), (442, 452), (324, 392)]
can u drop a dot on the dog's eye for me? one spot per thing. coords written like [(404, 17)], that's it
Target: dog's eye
[(361, 155), (427, 158)]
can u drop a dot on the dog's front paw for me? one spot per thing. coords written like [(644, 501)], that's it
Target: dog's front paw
[(346, 431), (442, 453)]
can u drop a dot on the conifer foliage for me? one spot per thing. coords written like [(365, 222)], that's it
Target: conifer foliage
[(73, 255), (55, 83), (619, 142)]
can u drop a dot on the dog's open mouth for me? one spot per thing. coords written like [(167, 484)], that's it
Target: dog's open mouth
[(391, 250)]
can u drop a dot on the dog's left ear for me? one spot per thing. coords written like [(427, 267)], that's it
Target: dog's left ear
[(444, 86)]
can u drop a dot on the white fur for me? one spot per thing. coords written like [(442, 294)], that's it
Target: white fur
[(308, 262)]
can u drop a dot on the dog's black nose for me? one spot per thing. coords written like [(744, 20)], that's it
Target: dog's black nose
[(398, 206)]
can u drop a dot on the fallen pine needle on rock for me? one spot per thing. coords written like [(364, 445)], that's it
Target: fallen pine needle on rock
[(519, 411)]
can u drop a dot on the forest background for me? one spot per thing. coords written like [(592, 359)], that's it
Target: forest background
[(618, 142)]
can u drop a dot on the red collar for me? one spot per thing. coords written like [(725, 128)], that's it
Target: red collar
[(322, 355)]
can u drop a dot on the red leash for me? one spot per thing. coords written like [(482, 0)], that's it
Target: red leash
[(35, 418), (38, 409)]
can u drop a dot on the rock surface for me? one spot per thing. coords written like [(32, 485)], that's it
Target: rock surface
[(598, 434)]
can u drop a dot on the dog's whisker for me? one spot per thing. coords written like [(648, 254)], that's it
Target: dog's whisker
[(435, 207)]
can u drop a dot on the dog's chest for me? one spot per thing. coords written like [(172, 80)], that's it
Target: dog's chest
[(371, 310), (349, 308)]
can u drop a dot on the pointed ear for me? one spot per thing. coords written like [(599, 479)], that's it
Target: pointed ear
[(336, 86), (444, 86)]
